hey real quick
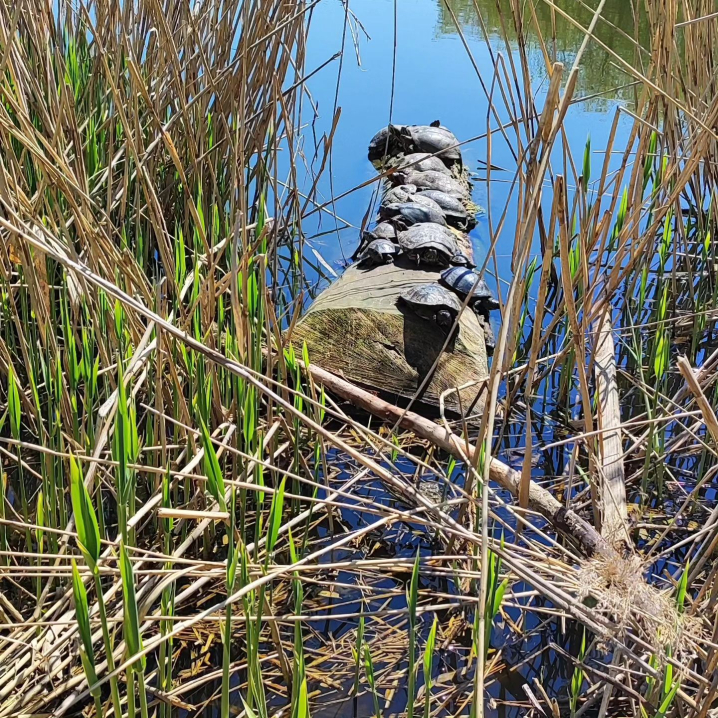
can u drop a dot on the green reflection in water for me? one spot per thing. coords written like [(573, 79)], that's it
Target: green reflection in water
[(560, 40)]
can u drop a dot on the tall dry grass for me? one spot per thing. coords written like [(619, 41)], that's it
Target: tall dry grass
[(184, 512)]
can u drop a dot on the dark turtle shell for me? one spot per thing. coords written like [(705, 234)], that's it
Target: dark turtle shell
[(434, 140), (454, 210), (385, 143), (431, 180), (380, 251), (409, 213), (407, 193), (462, 260), (428, 242), (384, 230), (423, 162), (462, 280), (401, 193), (432, 302)]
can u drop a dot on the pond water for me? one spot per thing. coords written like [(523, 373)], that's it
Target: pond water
[(407, 61), (435, 78)]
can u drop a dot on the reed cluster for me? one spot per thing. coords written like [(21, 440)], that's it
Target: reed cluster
[(188, 522)]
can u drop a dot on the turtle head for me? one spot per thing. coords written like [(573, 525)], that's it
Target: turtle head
[(444, 318), (430, 255), (398, 177), (402, 135)]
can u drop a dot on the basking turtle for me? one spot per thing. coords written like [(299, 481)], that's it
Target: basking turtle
[(461, 260), (431, 180), (408, 213), (454, 211), (462, 280), (433, 302), (383, 230), (433, 138), (428, 243), (385, 143), (401, 193), (380, 251), (423, 162)]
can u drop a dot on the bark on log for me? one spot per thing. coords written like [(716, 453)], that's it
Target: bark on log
[(567, 521)]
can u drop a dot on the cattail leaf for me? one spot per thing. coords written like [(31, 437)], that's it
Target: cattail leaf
[(82, 615), (88, 532), (40, 519), (131, 614), (275, 519), (303, 702), (13, 404), (587, 163), (682, 588), (212, 470)]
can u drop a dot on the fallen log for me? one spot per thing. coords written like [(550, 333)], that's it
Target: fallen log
[(612, 480), (564, 520)]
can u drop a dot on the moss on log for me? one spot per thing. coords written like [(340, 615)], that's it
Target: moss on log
[(357, 329)]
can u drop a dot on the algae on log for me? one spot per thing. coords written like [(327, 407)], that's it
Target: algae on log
[(357, 329)]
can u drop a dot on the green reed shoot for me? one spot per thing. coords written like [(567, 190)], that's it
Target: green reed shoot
[(371, 679), (578, 677), (131, 629), (87, 654), (412, 600), (428, 662), (88, 541)]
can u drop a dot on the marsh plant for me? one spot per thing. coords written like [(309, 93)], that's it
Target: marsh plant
[(190, 522)]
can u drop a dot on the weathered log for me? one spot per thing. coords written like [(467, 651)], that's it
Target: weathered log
[(612, 486), (567, 521), (358, 328)]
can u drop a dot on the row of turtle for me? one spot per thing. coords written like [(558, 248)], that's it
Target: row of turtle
[(421, 213)]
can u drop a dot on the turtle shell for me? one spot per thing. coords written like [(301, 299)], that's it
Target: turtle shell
[(462, 260), (423, 162), (420, 238), (435, 140), (409, 213), (461, 280), (384, 230), (431, 180), (402, 193), (386, 142), (454, 210), (380, 250), (431, 296)]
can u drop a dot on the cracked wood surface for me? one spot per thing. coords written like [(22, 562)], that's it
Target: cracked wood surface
[(357, 329)]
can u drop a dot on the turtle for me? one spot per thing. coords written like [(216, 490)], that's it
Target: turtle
[(432, 302), (407, 193), (380, 251), (385, 143), (462, 280), (431, 180), (462, 260), (401, 193), (428, 243), (383, 230), (423, 162), (433, 138), (408, 213), (454, 211)]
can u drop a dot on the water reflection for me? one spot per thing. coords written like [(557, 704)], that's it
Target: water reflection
[(552, 37)]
